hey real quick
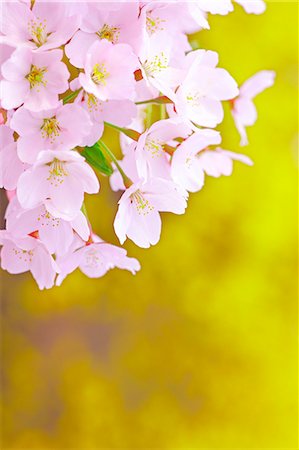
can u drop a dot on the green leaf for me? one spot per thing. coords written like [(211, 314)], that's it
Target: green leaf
[(96, 158)]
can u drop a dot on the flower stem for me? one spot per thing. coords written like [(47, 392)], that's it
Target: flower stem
[(71, 96), (133, 134), (84, 210), (162, 112), (126, 179), (159, 100)]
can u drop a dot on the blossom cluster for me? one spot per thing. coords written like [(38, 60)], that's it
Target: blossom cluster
[(68, 71)]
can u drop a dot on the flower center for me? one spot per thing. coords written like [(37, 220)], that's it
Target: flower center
[(45, 219), (142, 205), (154, 147), (92, 102), (154, 25), (57, 172), (109, 33), (24, 255), (36, 76), (92, 259), (50, 128), (156, 65), (99, 74), (37, 29), (194, 98)]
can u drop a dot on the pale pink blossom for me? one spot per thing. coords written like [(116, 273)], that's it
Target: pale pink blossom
[(128, 165), (199, 96), (119, 112), (58, 179), (160, 20), (220, 162), (116, 22), (33, 79), (186, 169), (19, 255), (11, 167), (45, 27), (243, 109), (138, 215), (151, 156), (95, 259), (159, 63), (62, 128), (55, 233), (198, 12), (109, 71), (253, 6)]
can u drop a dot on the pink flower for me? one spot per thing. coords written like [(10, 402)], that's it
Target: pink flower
[(109, 71), (10, 165), (193, 158), (28, 254), (44, 27), (55, 233), (198, 98), (186, 169), (58, 129), (34, 79), (138, 215), (159, 63), (58, 179), (252, 6), (119, 112), (243, 109), (198, 11), (129, 166), (151, 157), (95, 259), (117, 23), (220, 162)]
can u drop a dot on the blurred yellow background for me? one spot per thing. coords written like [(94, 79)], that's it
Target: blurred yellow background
[(199, 349)]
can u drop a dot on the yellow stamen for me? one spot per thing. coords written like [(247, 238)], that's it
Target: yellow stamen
[(50, 128), (38, 31), (154, 146), (36, 76), (156, 65), (109, 33), (154, 25), (57, 172), (142, 204), (99, 74)]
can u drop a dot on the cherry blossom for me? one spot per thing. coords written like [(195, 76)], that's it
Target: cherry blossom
[(95, 259), (33, 79), (198, 98), (58, 179), (120, 112), (243, 109), (61, 128), (252, 6), (11, 166), (41, 28), (138, 215), (115, 22), (28, 254), (55, 233), (151, 149), (109, 71), (186, 169)]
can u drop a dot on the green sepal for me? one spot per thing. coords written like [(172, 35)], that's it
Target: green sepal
[(95, 157)]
